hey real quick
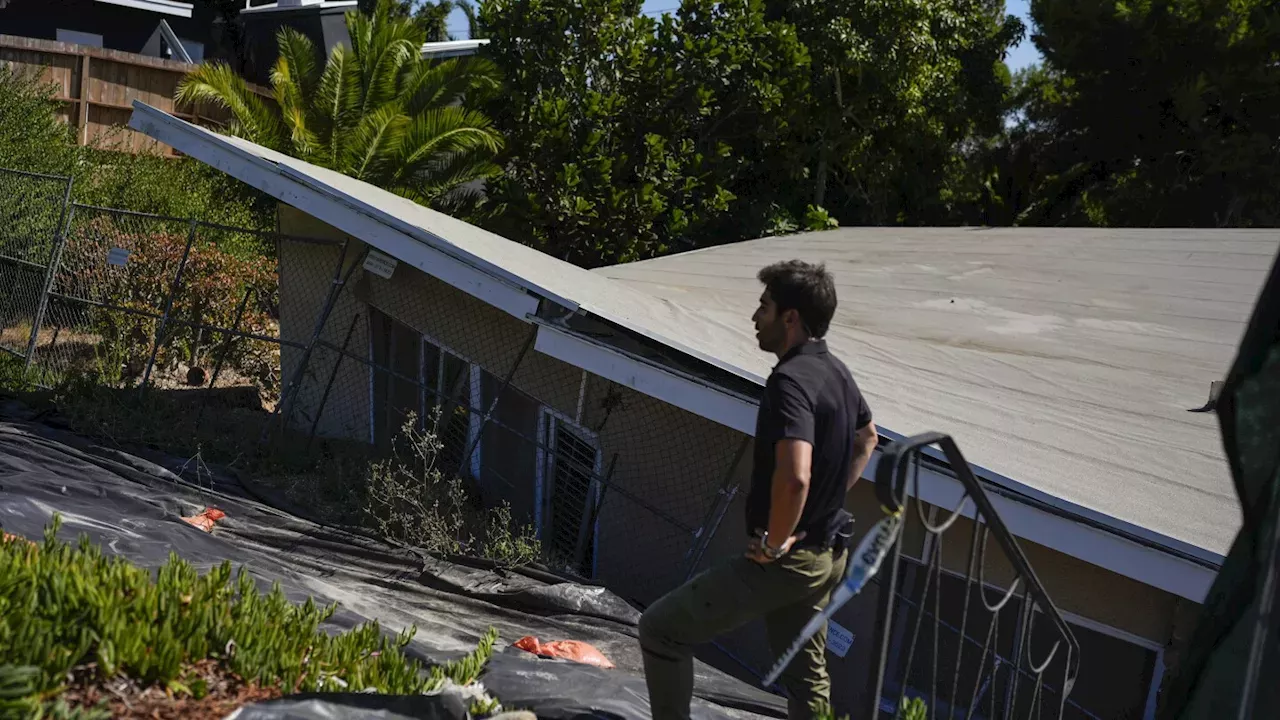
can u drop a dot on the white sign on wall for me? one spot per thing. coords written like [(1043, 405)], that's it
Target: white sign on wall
[(839, 639), (118, 256), (380, 264)]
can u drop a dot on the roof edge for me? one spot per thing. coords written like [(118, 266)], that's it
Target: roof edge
[(501, 290), (164, 7)]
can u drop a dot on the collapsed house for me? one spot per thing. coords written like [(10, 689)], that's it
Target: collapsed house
[(614, 409)]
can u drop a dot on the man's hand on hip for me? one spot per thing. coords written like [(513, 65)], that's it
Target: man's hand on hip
[(756, 551)]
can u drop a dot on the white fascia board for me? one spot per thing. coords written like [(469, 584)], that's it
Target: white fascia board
[(275, 7), (452, 48), (686, 393), (166, 7), (272, 180), (993, 478), (1095, 546)]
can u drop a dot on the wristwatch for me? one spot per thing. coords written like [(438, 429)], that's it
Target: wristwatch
[(769, 552)]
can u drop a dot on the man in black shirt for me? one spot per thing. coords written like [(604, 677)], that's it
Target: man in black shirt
[(814, 437)]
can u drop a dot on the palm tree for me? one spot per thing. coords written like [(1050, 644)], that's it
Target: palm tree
[(376, 111)]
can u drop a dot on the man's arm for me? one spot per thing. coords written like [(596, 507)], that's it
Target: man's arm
[(864, 444), (793, 458), (790, 489)]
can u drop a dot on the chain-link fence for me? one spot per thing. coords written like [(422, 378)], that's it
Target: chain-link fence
[(601, 471), (31, 218), (248, 340)]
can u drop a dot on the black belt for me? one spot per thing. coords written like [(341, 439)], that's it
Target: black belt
[(838, 534)]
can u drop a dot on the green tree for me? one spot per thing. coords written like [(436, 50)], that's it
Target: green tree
[(903, 96), (631, 136), (375, 111), (1152, 112)]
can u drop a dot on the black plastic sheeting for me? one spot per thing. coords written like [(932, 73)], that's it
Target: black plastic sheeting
[(131, 505)]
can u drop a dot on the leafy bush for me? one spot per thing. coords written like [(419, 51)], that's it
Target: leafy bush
[(65, 608), (214, 283), (34, 139), (412, 502)]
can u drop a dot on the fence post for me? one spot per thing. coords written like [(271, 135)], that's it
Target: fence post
[(715, 514), (589, 519), (226, 348), (285, 408), (315, 422), (168, 305), (55, 256), (493, 404)]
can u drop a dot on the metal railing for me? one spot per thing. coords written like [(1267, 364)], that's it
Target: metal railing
[(1042, 648)]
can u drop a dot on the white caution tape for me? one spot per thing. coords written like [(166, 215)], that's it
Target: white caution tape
[(864, 563)]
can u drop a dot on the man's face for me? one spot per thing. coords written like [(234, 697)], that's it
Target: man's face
[(771, 328)]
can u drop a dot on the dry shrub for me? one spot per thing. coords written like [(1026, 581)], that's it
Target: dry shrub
[(410, 500)]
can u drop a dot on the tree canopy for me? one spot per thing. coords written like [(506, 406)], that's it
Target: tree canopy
[(1150, 113), (632, 136)]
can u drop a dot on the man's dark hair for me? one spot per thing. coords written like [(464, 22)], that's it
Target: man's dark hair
[(804, 287)]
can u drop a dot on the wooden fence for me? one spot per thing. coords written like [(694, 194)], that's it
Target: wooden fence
[(97, 87)]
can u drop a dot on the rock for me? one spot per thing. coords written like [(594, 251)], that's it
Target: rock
[(197, 376)]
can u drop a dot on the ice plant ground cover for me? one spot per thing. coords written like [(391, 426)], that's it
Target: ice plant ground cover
[(88, 635)]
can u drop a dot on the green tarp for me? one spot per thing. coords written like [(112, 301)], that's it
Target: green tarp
[(1232, 663)]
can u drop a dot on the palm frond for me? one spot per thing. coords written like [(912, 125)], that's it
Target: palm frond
[(302, 57), (383, 46), (337, 101), (447, 177), (438, 84), (433, 18), (474, 31), (294, 81), (370, 153), (462, 202), (217, 84), (380, 75), (444, 132)]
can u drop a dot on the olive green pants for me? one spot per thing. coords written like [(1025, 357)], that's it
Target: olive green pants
[(785, 594)]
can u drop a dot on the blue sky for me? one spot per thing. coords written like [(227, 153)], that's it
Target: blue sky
[(1019, 57)]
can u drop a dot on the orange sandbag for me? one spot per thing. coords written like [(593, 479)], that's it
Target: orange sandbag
[(568, 649), (206, 519)]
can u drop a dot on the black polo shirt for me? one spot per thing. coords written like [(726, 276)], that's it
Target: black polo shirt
[(809, 396)]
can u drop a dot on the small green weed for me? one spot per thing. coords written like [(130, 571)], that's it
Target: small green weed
[(910, 709)]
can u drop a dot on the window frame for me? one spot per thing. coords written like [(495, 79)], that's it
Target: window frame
[(548, 421), (474, 375)]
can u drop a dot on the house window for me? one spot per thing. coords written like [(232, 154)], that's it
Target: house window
[(415, 374), (449, 395), (568, 477)]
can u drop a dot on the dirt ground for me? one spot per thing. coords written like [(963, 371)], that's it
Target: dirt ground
[(224, 692)]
